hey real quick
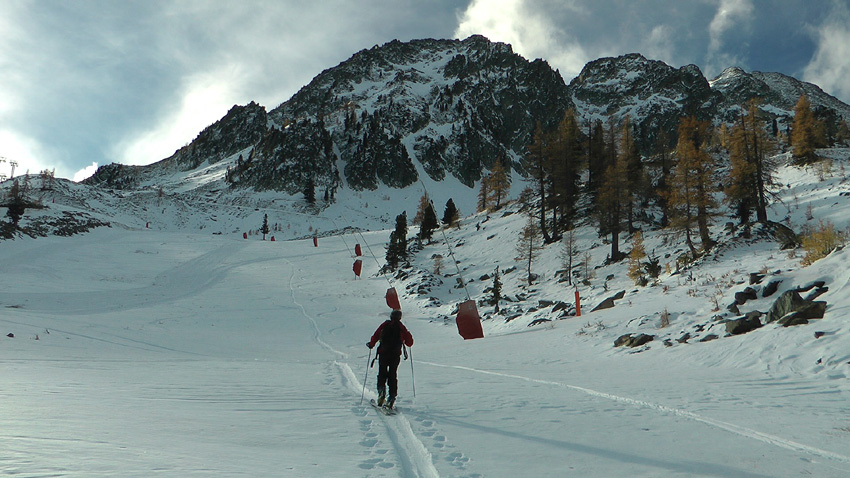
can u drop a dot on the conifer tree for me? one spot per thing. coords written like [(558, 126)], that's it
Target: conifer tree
[(637, 254), (691, 195), (568, 254), (528, 247), (484, 193), (535, 163), (803, 133), (426, 218), (265, 227), (635, 175), (15, 203), (310, 191), (664, 165), (596, 157), (451, 216), (751, 171), (611, 204), (564, 155), (397, 248), (499, 184)]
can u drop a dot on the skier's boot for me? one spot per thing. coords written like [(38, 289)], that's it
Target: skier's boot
[(390, 403), (382, 395)]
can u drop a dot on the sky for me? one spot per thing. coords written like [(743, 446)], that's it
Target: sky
[(87, 83)]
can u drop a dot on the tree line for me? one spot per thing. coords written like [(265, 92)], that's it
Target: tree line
[(600, 174)]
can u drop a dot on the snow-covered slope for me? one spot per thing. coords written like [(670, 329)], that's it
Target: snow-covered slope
[(177, 352)]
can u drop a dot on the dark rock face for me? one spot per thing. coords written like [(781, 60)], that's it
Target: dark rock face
[(632, 341), (458, 105), (453, 108), (770, 288), (742, 297), (654, 94), (791, 309), (744, 324), (609, 302)]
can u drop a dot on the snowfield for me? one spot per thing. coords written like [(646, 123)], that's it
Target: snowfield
[(160, 352)]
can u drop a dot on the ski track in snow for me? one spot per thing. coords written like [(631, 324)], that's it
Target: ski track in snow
[(736, 429), (414, 456)]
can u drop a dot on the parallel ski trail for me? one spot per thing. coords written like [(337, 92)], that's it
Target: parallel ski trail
[(415, 458), (730, 427)]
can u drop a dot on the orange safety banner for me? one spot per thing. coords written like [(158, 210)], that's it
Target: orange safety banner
[(392, 299), (468, 321)]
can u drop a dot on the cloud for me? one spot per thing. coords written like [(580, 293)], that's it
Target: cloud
[(527, 29), (204, 100), (84, 173), (731, 16), (24, 151), (829, 67)]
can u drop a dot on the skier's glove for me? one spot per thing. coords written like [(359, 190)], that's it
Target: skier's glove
[(369, 344)]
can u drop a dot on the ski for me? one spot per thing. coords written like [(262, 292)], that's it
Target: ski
[(386, 411)]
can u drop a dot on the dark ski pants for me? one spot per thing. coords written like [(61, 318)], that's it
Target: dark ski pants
[(388, 372)]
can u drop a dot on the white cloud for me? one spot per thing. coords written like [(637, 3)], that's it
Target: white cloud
[(205, 99), (527, 30), (731, 14), (85, 172), (660, 43), (27, 153), (829, 67)]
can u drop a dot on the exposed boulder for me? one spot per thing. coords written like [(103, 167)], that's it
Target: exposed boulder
[(744, 324), (812, 310), (771, 288), (816, 293), (742, 297), (791, 309), (609, 302), (630, 340)]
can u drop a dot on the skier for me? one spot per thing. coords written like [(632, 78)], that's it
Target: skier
[(392, 334)]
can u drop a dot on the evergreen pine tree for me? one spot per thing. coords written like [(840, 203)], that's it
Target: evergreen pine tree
[(451, 216), (265, 227), (15, 203), (310, 191), (397, 248), (426, 218)]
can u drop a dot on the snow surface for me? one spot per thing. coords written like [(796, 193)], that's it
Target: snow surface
[(165, 352)]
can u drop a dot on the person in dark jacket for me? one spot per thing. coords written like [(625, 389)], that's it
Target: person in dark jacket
[(391, 334)]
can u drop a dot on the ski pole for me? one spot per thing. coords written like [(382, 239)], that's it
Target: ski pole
[(369, 359), (412, 376)]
